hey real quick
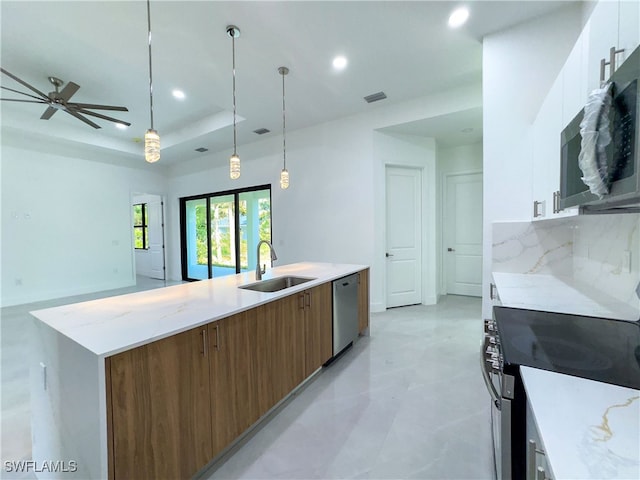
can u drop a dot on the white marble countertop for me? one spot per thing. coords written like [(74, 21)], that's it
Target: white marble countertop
[(112, 325), (559, 294), (590, 430)]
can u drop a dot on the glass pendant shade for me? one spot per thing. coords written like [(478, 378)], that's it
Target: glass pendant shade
[(234, 166), (151, 146), (284, 179)]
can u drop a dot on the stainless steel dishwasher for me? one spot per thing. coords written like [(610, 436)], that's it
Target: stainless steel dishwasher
[(345, 312)]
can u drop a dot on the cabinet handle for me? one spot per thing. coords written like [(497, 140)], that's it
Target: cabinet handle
[(556, 202), (613, 51), (492, 291), (531, 460), (217, 345), (301, 301), (308, 299), (536, 209), (541, 474), (203, 334)]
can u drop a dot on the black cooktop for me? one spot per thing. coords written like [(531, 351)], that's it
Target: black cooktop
[(599, 349)]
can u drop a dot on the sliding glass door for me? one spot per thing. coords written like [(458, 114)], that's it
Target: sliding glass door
[(220, 232)]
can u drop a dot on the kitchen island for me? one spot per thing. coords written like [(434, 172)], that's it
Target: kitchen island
[(158, 384)]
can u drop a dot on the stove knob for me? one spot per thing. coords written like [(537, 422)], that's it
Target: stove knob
[(495, 365)]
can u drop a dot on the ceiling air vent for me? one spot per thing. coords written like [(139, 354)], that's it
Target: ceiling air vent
[(374, 97), (202, 149), (261, 131)]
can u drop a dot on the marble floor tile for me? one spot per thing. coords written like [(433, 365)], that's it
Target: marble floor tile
[(407, 401)]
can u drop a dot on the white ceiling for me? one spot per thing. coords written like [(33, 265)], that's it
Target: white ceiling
[(402, 48)]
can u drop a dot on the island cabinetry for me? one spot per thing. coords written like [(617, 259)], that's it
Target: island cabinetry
[(363, 300), (280, 350), (159, 412), (318, 317), (234, 377)]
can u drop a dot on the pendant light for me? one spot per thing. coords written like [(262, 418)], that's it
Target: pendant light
[(284, 174), (151, 137), (234, 161)]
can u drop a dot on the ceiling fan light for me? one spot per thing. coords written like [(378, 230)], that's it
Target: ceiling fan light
[(234, 166), (284, 179), (151, 146)]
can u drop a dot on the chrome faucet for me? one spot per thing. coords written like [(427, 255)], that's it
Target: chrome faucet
[(260, 271)]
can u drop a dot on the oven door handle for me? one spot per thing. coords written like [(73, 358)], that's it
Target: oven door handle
[(495, 397)]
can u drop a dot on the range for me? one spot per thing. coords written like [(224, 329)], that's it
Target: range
[(600, 349)]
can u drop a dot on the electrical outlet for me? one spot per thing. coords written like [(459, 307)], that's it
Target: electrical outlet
[(626, 261)]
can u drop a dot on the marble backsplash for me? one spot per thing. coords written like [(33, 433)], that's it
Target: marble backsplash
[(598, 251)]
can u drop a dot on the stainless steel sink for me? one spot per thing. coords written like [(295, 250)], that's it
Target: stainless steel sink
[(276, 284)]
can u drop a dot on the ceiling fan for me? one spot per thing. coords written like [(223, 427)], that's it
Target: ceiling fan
[(59, 100)]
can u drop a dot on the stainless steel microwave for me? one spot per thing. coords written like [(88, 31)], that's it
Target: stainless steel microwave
[(622, 153)]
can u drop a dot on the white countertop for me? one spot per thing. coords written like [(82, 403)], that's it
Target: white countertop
[(559, 294), (115, 324), (590, 430)]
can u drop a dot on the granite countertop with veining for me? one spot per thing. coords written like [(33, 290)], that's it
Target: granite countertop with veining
[(111, 325), (590, 430), (559, 294)]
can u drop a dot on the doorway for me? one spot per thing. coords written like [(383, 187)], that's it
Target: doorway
[(462, 234), (148, 228), (404, 236)]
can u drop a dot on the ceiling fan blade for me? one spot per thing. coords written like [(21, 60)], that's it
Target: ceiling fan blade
[(48, 113), (19, 100), (22, 93), (97, 107), (22, 82), (68, 91), (104, 117), (81, 118)]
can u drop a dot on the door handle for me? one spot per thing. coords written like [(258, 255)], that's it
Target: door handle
[(388, 254), (451, 249)]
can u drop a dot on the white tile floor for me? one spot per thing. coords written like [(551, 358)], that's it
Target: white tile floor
[(406, 402)]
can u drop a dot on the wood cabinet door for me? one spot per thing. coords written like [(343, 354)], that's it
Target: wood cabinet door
[(318, 327), (160, 408), (234, 377), (280, 349), (363, 300)]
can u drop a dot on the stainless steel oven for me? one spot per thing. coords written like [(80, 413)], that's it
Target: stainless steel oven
[(600, 349), (506, 430)]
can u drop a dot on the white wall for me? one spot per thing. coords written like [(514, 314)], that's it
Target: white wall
[(452, 160), (392, 149), (334, 208), (519, 66), (66, 223), (78, 237)]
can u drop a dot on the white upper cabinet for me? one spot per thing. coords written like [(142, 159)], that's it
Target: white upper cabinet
[(612, 24), (628, 28), (546, 151)]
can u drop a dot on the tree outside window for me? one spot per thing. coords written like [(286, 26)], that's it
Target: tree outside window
[(140, 227)]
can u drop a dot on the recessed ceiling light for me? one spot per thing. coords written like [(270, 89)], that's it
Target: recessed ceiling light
[(458, 17), (179, 94), (340, 62), (121, 126)]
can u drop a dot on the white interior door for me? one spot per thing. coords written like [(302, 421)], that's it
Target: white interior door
[(404, 236), (463, 234), (155, 222)]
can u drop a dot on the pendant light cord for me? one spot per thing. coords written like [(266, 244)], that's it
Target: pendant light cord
[(284, 129), (233, 60), (150, 69)]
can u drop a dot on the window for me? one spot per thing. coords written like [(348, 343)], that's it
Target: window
[(220, 231), (140, 227)]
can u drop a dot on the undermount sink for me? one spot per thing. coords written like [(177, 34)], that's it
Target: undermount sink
[(276, 284)]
